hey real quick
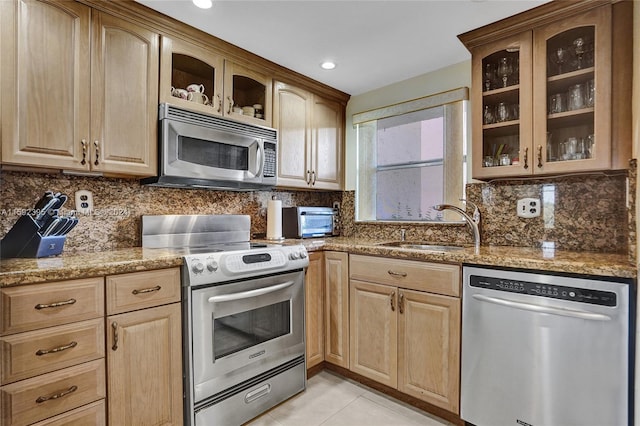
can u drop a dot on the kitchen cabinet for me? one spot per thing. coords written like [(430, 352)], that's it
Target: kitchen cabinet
[(550, 90), (66, 102), (314, 309), (228, 85), (144, 348), (52, 349), (310, 133), (405, 326), (336, 308)]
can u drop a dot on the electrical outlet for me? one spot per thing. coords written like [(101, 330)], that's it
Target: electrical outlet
[(529, 207), (336, 205), (84, 201)]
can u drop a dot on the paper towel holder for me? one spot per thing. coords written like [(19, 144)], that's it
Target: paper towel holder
[(274, 220)]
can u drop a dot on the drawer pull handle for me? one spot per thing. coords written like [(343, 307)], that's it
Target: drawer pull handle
[(401, 303), (55, 305), (392, 298), (114, 328), (42, 399), (146, 290), (71, 345), (396, 274)]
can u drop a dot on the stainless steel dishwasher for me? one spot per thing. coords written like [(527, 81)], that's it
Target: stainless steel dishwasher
[(546, 350)]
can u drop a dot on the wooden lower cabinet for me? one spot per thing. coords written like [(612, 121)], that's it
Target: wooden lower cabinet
[(406, 339), (144, 349), (314, 309), (373, 332), (336, 308), (429, 348)]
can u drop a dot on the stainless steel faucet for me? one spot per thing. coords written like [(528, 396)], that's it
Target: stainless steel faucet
[(473, 222)]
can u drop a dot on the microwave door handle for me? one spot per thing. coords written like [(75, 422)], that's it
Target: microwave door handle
[(249, 294), (260, 155)]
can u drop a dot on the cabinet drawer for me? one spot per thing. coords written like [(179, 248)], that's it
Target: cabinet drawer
[(422, 276), (28, 354), (31, 307), (91, 414), (139, 290), (41, 397)]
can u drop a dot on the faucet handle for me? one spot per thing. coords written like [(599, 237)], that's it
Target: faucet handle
[(476, 210)]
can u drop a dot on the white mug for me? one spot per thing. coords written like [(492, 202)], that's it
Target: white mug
[(197, 97), (198, 88)]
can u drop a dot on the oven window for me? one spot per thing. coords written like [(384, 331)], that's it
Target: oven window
[(213, 154), (240, 331)]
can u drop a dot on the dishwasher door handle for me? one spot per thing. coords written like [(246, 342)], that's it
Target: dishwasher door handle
[(543, 309)]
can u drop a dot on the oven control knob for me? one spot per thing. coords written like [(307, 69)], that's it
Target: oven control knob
[(303, 254), (197, 267), (212, 266), (293, 255)]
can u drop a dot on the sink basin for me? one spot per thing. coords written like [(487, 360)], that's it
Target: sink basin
[(422, 246)]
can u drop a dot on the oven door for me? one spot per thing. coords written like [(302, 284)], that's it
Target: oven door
[(244, 328)]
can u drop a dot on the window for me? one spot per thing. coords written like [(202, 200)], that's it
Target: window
[(410, 158)]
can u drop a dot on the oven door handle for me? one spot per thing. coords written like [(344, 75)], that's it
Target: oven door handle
[(249, 294), (543, 309)]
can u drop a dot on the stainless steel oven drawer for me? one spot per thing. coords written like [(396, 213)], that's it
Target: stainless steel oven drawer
[(241, 403)]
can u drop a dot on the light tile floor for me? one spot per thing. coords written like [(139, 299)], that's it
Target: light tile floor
[(331, 400)]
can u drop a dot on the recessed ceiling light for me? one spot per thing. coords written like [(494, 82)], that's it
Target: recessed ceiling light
[(203, 4), (328, 65)]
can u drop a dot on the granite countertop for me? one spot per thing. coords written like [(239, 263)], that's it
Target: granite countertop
[(80, 265)]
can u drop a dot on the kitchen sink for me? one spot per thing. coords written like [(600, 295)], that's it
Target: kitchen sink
[(423, 246)]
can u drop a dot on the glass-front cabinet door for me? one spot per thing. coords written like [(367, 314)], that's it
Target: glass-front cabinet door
[(247, 94), (502, 115), (572, 97), (191, 77)]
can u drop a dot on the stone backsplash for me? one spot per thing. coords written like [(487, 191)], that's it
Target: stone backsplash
[(119, 204), (579, 213)]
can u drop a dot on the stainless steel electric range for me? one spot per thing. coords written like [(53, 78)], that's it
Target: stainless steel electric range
[(243, 316)]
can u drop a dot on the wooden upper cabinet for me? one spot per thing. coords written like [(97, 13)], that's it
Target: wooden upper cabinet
[(292, 117), (503, 70), (247, 87), (310, 138), (226, 84), (44, 81), (67, 103), (124, 105), (327, 155), (182, 64), (544, 97)]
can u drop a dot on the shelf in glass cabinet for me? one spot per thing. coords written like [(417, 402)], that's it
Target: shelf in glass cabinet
[(505, 128), (578, 117), (502, 94)]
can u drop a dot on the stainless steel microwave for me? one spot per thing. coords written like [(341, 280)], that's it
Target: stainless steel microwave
[(309, 222), (206, 151)]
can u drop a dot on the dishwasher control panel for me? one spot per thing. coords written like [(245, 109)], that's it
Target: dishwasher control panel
[(594, 297)]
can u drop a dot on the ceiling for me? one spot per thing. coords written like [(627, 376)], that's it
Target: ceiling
[(373, 43)]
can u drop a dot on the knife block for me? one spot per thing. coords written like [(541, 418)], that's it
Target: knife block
[(24, 240)]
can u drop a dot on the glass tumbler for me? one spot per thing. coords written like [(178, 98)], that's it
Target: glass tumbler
[(502, 112), (557, 103), (576, 97)]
